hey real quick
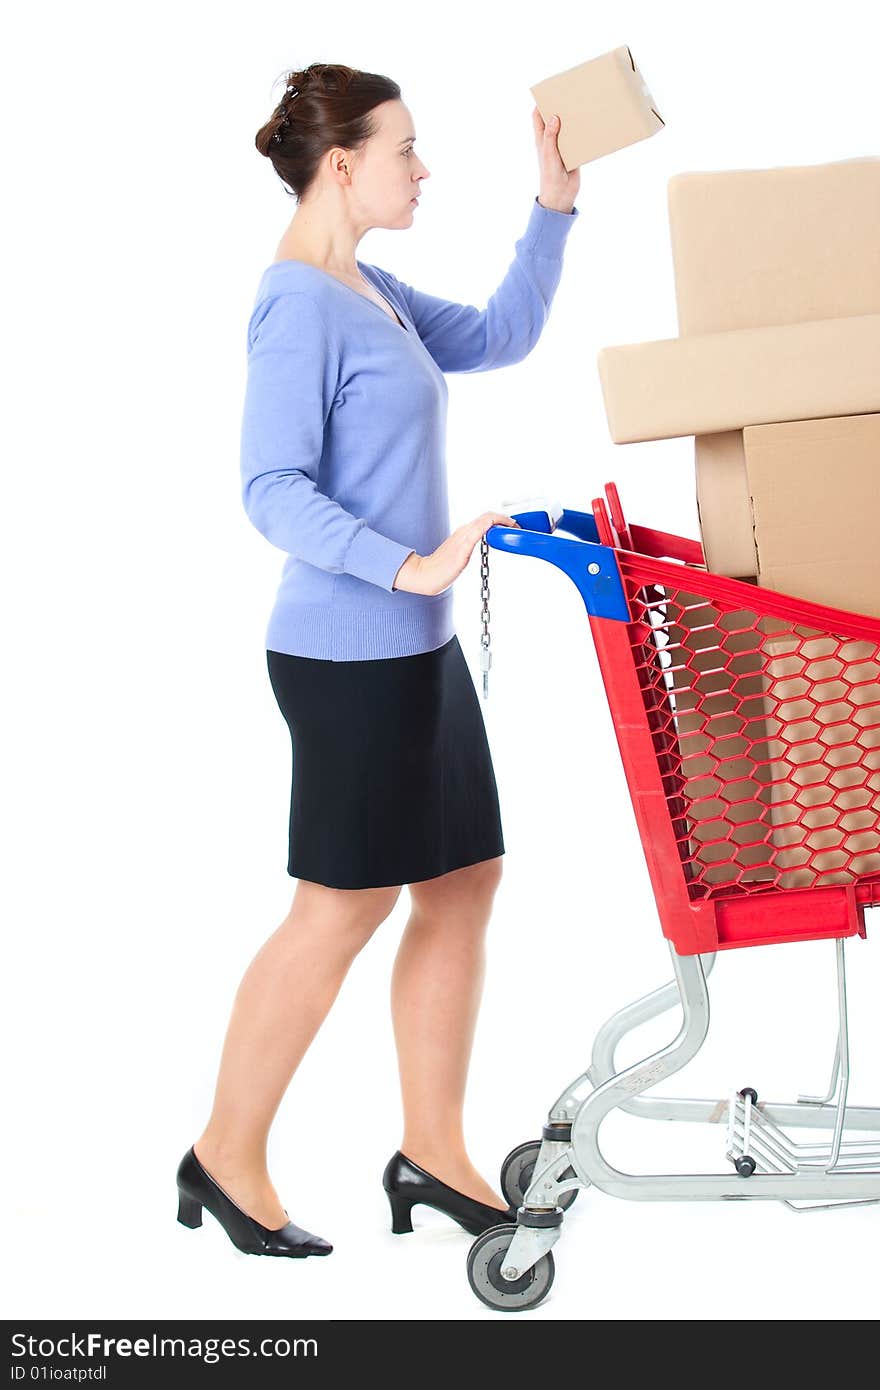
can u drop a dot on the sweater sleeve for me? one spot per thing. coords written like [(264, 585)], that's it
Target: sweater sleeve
[(462, 338), (292, 379)]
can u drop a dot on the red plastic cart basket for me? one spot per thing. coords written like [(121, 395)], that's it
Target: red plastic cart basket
[(748, 723)]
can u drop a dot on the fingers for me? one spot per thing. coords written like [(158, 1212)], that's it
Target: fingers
[(473, 531), (549, 128), (488, 519), (549, 157)]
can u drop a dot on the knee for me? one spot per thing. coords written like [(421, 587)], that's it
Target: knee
[(378, 905), (353, 912), (365, 915)]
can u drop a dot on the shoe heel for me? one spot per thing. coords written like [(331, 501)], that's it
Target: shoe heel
[(401, 1213), (189, 1211)]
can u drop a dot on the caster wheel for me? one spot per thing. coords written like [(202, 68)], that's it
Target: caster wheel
[(750, 1091), (745, 1166), (485, 1262), (516, 1175)]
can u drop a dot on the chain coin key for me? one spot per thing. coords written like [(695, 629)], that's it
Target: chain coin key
[(485, 654)]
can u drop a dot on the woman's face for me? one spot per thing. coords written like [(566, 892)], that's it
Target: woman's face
[(386, 171)]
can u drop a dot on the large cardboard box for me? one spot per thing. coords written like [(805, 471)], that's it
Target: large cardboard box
[(602, 105), (754, 247), (711, 382), (811, 487), (813, 490)]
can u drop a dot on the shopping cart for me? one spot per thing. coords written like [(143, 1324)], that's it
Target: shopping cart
[(748, 723)]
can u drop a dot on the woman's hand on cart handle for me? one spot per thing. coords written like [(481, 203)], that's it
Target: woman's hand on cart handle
[(431, 574)]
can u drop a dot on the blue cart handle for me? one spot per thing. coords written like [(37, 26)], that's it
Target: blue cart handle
[(591, 567)]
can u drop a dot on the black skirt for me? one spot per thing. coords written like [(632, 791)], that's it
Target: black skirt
[(392, 777)]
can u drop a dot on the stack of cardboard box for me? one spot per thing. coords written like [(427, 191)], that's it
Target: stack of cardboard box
[(776, 374)]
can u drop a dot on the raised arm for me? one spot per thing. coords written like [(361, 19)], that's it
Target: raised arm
[(462, 338), (292, 375)]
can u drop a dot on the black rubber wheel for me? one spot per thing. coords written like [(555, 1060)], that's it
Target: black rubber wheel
[(750, 1091), (485, 1262), (746, 1166), (516, 1175)]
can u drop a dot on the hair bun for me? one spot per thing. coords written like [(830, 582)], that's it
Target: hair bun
[(340, 102)]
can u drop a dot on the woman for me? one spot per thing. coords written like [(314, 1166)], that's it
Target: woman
[(343, 468)]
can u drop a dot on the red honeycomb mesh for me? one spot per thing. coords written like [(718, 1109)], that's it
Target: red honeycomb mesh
[(767, 734)]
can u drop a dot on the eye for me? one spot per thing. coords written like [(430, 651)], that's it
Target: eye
[(409, 151)]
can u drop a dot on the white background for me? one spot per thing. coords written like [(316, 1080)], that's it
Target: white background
[(147, 767)]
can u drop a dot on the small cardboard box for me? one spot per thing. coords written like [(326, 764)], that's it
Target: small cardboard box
[(710, 382), (602, 105), (812, 486)]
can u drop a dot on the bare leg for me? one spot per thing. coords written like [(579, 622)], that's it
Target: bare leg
[(281, 1003), (436, 987)]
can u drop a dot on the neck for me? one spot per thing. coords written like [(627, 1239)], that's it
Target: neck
[(325, 242)]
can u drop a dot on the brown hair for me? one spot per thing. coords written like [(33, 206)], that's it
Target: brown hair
[(323, 105)]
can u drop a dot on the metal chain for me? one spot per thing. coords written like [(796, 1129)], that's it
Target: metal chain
[(485, 654)]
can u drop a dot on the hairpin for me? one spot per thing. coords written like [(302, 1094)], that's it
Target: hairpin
[(292, 92)]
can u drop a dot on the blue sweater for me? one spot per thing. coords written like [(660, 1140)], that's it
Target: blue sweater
[(343, 438)]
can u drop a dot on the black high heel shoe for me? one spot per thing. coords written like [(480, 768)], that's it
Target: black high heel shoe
[(406, 1184), (196, 1189)]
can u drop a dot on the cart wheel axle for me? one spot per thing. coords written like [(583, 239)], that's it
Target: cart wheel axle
[(487, 1259)]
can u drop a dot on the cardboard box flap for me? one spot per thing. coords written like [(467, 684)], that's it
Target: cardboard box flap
[(644, 86)]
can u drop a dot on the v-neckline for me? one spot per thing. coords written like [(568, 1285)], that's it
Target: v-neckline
[(292, 260)]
